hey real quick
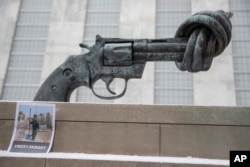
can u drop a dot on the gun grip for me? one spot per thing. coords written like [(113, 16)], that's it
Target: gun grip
[(60, 84)]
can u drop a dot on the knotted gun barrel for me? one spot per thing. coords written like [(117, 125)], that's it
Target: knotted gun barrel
[(197, 41)]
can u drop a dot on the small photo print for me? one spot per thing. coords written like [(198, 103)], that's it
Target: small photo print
[(34, 128)]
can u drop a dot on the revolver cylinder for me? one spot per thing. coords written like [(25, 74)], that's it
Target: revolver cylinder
[(117, 54)]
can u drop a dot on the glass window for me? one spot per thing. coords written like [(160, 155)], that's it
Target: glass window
[(241, 49), (171, 85), (28, 48)]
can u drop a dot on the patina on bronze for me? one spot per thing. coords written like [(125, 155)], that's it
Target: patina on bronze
[(197, 41)]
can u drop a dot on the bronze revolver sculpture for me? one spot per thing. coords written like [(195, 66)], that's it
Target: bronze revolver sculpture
[(197, 41)]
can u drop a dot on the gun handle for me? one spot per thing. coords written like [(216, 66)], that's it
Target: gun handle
[(62, 81)]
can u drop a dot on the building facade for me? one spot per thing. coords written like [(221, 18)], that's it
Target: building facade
[(37, 36)]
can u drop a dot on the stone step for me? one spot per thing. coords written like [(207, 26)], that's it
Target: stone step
[(43, 162)]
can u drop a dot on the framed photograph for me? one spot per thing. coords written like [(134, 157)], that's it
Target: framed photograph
[(34, 128)]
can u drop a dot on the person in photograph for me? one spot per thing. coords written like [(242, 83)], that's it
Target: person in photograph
[(48, 121), (35, 127)]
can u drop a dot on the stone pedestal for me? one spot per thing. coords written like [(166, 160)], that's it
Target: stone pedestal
[(142, 130)]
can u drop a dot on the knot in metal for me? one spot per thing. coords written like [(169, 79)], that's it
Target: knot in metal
[(209, 33)]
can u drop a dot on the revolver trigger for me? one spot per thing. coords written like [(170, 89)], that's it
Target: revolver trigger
[(108, 80)]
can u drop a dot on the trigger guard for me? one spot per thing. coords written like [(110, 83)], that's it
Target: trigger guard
[(111, 97)]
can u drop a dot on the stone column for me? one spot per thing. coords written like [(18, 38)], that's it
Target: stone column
[(9, 10), (137, 20), (65, 33), (216, 86)]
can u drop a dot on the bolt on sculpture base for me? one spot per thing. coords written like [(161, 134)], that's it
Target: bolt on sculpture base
[(197, 41)]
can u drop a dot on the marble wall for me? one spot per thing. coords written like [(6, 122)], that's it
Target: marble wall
[(8, 16)]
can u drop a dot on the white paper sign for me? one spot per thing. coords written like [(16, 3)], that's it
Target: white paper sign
[(34, 128)]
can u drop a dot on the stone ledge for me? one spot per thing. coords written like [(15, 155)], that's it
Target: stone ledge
[(151, 130), (150, 114)]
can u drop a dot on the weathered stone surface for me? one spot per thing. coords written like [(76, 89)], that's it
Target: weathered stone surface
[(6, 130), (21, 162), (91, 163), (107, 138), (155, 130), (156, 114), (213, 142), (7, 110)]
